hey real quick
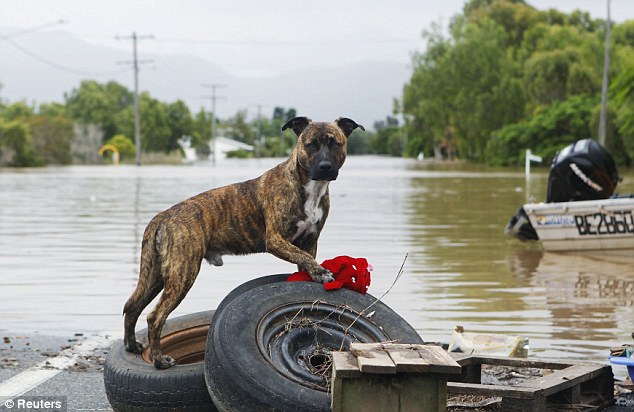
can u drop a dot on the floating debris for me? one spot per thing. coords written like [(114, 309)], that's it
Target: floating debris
[(488, 344)]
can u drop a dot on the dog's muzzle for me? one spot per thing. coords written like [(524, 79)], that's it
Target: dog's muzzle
[(324, 169)]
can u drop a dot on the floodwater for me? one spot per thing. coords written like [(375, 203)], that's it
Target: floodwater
[(70, 241)]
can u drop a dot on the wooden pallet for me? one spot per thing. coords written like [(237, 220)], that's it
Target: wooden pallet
[(587, 386), (391, 377)]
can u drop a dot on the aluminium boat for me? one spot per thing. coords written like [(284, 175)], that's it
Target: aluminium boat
[(581, 211)]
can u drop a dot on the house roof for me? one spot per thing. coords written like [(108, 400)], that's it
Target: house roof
[(233, 143)]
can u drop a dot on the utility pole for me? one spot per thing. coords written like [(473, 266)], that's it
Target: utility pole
[(258, 140), (214, 98), (604, 85), (135, 63)]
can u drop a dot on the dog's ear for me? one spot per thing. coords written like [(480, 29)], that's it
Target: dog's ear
[(347, 126), (298, 124)]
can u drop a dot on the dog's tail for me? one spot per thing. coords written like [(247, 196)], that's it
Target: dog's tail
[(149, 257)]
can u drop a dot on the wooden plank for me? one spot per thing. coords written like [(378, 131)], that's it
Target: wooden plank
[(439, 361), (562, 379), (590, 384), (463, 359), (457, 388), (345, 365), (371, 358), (515, 362), (421, 358), (469, 374), (406, 358)]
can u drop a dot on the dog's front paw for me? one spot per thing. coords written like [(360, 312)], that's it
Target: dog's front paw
[(164, 362), (323, 276), (134, 347)]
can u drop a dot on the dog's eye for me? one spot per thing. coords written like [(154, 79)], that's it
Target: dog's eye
[(332, 142), (312, 145)]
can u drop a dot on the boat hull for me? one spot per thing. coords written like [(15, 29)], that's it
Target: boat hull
[(606, 224)]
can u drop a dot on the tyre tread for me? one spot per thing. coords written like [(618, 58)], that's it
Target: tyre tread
[(134, 385)]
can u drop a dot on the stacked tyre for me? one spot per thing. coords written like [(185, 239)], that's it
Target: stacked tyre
[(266, 347)]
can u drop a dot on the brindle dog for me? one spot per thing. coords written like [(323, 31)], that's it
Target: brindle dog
[(281, 212)]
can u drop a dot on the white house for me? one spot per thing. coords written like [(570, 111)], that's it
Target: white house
[(220, 146), (185, 143)]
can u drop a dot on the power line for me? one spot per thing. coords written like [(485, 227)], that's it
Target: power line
[(9, 39), (135, 64), (255, 42), (287, 42), (34, 28), (66, 69)]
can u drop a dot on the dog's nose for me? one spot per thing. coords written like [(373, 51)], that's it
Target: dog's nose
[(325, 165)]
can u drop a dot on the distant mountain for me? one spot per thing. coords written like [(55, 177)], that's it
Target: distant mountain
[(41, 67)]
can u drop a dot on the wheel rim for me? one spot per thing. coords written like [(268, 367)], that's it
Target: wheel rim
[(185, 346), (298, 339)]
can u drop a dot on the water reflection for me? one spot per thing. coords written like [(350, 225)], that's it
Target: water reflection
[(462, 248), (70, 241), (587, 295), (573, 305)]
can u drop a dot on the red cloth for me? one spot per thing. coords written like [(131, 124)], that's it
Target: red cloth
[(351, 273)]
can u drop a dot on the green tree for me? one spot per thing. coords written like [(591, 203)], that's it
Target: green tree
[(287, 139), (546, 132), (155, 130), (201, 133), (99, 104), (51, 138), (238, 128), (516, 17), (388, 138), (53, 110), (506, 69), (566, 62), (469, 84), (614, 142), (359, 143), (427, 96), (180, 123), (623, 91), (125, 146), (15, 145), (17, 111)]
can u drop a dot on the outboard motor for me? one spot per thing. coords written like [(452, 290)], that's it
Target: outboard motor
[(520, 227), (583, 170)]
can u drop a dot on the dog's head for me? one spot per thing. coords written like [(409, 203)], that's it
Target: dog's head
[(321, 146)]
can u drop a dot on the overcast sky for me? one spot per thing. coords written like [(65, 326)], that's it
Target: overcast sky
[(263, 37)]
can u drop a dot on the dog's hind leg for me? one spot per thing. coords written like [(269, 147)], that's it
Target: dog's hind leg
[(176, 286), (133, 310), (148, 286)]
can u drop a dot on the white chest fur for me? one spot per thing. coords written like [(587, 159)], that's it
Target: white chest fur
[(315, 191)]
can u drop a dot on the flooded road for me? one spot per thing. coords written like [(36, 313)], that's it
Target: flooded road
[(70, 242)]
